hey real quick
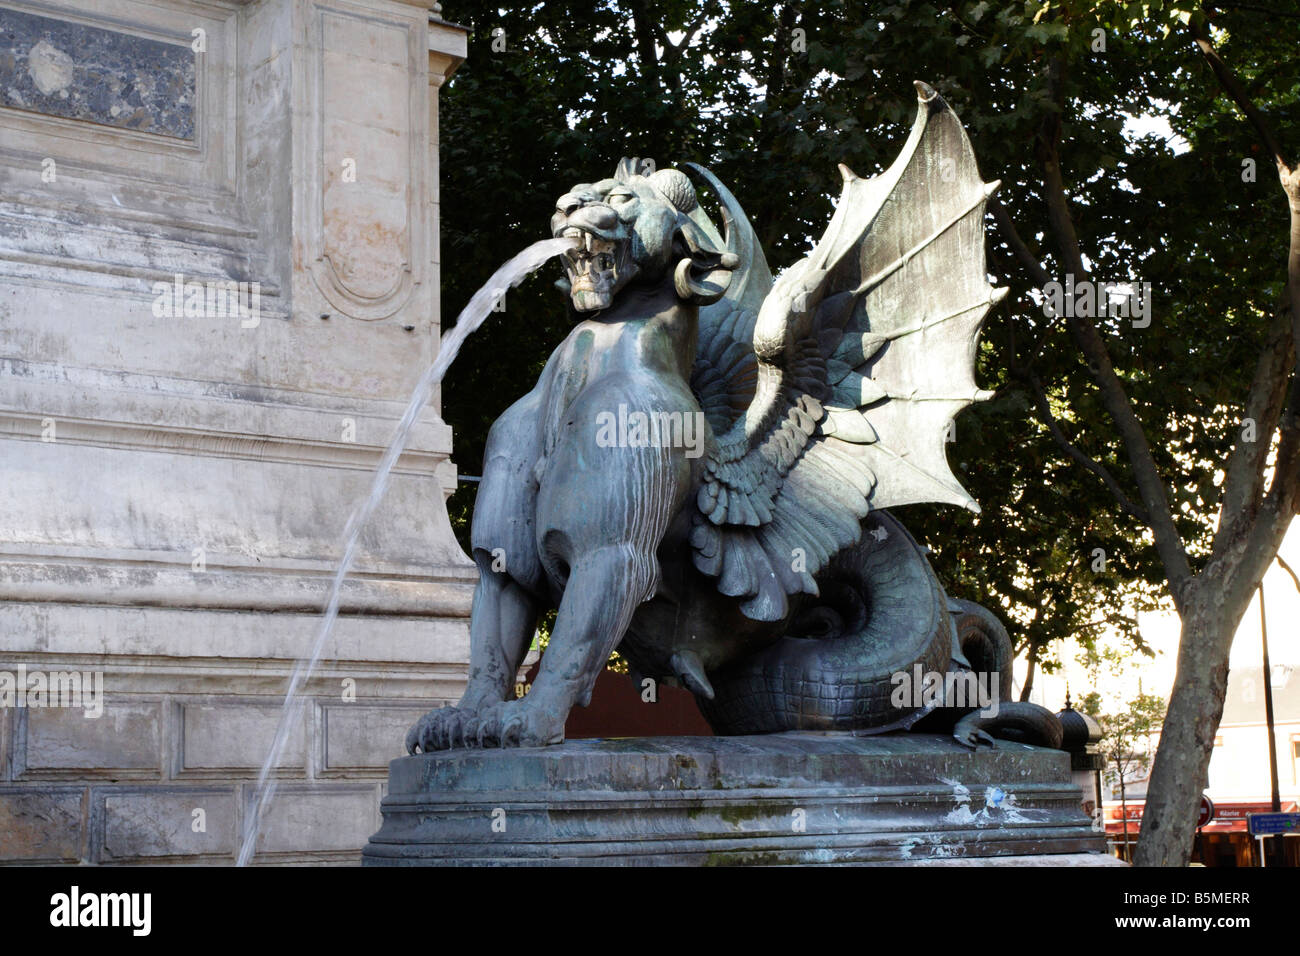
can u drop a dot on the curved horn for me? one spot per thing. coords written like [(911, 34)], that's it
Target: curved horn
[(751, 280)]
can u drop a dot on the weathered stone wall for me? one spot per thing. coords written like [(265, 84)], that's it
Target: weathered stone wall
[(174, 480)]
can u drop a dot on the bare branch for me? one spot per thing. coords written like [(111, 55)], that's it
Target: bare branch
[(1094, 466), (1288, 569), (643, 28), (1265, 527), (1232, 86), (1243, 483), (1278, 510), (692, 31), (1018, 247), (1155, 497), (1254, 8), (1030, 262), (1289, 176)]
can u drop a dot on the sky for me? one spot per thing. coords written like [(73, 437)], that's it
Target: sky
[(1160, 631)]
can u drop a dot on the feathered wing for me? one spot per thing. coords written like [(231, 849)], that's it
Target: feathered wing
[(832, 391)]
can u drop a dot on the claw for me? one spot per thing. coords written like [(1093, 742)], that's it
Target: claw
[(974, 738), (968, 732), (434, 731), (495, 731), (515, 725), (417, 738)]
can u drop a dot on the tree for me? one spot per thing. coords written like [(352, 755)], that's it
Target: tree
[(1257, 498)]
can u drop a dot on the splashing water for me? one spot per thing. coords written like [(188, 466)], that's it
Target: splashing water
[(470, 318)]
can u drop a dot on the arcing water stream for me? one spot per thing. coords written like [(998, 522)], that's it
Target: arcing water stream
[(470, 318)]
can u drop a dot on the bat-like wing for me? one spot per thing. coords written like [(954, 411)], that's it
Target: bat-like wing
[(832, 389)]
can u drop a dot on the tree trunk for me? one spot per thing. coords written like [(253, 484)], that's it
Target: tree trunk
[(1029, 674), (1181, 768)]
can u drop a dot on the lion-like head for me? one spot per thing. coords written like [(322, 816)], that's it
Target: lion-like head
[(639, 228)]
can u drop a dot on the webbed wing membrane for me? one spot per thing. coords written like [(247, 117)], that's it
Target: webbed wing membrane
[(858, 358), (921, 291)]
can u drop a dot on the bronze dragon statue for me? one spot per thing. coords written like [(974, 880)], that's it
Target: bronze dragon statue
[(700, 476)]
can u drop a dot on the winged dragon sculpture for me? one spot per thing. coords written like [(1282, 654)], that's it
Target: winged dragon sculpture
[(752, 561)]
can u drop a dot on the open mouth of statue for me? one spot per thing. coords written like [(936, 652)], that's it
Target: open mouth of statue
[(592, 268)]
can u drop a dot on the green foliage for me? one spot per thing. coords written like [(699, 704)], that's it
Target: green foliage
[(546, 625), (1127, 738), (772, 96), (1128, 720)]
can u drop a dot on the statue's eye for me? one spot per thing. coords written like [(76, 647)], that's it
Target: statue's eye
[(620, 196)]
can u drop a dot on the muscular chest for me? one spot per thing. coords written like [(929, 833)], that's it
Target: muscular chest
[(592, 352)]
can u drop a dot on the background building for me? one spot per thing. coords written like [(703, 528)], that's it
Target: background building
[(175, 473)]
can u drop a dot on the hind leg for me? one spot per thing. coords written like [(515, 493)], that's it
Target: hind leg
[(499, 634)]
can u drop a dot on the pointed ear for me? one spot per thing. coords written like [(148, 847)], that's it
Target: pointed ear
[(703, 275)]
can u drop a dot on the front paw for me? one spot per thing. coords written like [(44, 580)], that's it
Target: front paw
[(515, 723), (439, 729), (535, 726)]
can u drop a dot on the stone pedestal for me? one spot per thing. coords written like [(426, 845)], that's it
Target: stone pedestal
[(796, 798), (219, 276)]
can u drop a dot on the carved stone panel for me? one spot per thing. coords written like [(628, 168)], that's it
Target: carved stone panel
[(83, 72), (366, 151)]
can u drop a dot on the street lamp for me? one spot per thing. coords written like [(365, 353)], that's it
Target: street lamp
[(1276, 842)]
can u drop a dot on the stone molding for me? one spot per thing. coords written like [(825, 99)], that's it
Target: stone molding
[(133, 440)]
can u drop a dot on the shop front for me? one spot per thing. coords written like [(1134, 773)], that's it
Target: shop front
[(1223, 842)]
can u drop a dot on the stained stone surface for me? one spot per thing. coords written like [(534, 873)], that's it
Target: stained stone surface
[(88, 73), (793, 798), (174, 487)]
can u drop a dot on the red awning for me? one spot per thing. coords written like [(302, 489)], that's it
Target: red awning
[(1228, 817)]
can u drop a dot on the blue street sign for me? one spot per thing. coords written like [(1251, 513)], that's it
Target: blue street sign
[(1264, 824)]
